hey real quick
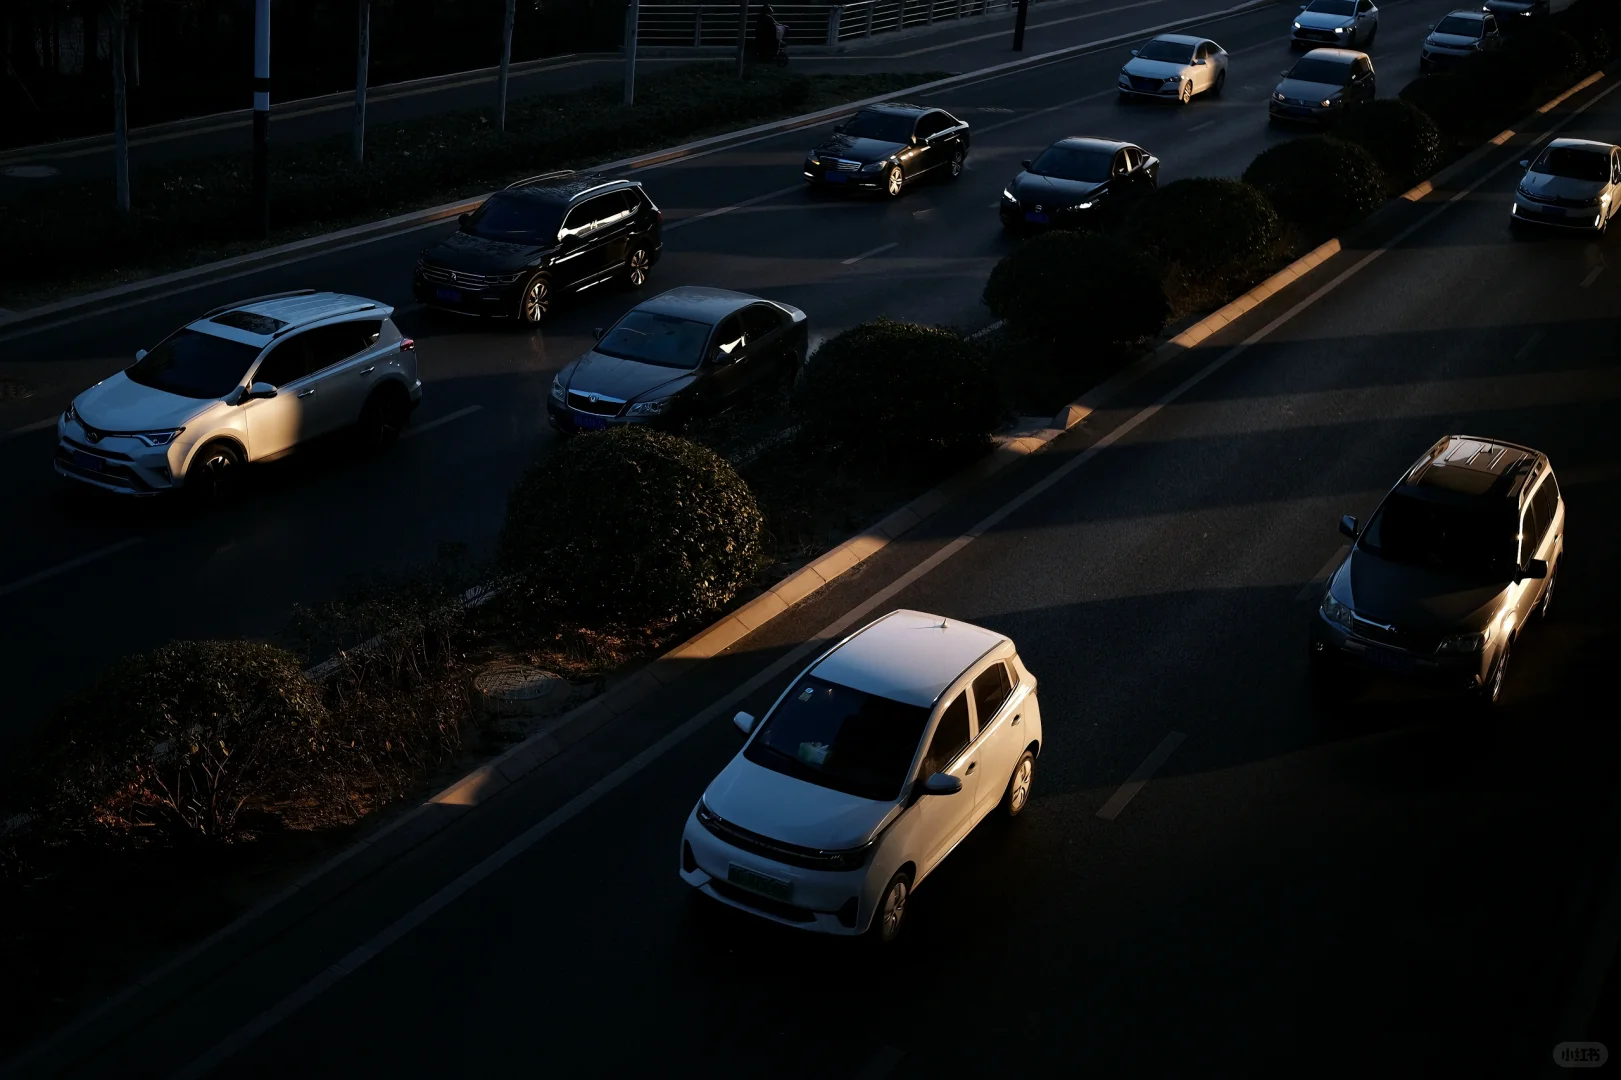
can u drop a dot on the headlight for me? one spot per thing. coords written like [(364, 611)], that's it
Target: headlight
[(813, 160), (1336, 612), (158, 438), (1172, 79), (1297, 26), (873, 166), (1277, 95), (853, 859), (1008, 195), (1465, 644), (1328, 102), (1084, 205), (71, 415), (650, 408), (1339, 29), (559, 391)]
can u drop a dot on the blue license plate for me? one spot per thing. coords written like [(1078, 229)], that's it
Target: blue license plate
[(448, 295), (834, 178), (1039, 219), (587, 422), (88, 462), (760, 883), (1387, 660)]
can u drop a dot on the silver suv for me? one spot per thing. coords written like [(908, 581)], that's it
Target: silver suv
[(245, 383)]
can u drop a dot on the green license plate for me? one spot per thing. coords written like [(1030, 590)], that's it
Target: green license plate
[(745, 878)]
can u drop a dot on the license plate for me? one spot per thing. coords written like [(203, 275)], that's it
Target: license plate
[(587, 422), (449, 295), (766, 886), (1386, 660), (1299, 110), (1039, 219), (835, 178), (88, 462)]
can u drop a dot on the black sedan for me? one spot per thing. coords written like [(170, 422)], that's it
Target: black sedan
[(685, 353), (887, 147), (1074, 181)]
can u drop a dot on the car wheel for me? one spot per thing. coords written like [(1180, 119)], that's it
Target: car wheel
[(384, 416), (638, 264), (1491, 693), (215, 473), (1547, 592), (1221, 81), (891, 914), (897, 180), (1017, 795), (957, 160), (1185, 95), (536, 301)]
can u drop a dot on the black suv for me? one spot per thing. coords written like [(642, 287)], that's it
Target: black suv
[(1458, 557), (541, 237)]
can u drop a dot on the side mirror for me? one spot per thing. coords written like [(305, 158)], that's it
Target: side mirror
[(1526, 164), (744, 722), (255, 392), (941, 784), (1200, 63), (1348, 526), (1027, 163), (463, 219), (140, 354), (1134, 52), (1284, 73), (1536, 570), (1302, 7), (838, 129), (597, 333)]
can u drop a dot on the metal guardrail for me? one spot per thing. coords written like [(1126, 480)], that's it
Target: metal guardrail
[(825, 25)]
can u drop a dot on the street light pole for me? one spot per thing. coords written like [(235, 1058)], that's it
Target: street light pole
[(261, 114), (1018, 27), (506, 64), (742, 33), (120, 108), (632, 17), (362, 67)]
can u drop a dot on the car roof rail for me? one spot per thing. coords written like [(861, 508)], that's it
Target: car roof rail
[(369, 305), (258, 300), (557, 174)]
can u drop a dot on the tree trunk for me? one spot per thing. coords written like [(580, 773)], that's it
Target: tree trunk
[(362, 67), (120, 103), (506, 63)]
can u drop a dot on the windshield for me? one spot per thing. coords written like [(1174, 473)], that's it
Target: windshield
[(517, 220), (656, 339), (1321, 71), (194, 365), (1074, 163), (1418, 532), (830, 735), (1573, 163), (881, 126), (1345, 8), (1172, 52), (1459, 27)]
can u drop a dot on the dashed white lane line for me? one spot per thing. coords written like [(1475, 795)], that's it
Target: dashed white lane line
[(1321, 576), (1145, 772), (71, 564), (881, 1064), (38, 425), (443, 420), (1592, 276), (1530, 346), (719, 210), (879, 250), (1201, 127)]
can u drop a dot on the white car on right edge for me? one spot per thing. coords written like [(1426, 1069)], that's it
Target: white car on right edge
[(868, 770), (1573, 183)]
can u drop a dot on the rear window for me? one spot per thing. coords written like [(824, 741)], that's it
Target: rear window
[(194, 365), (839, 738)]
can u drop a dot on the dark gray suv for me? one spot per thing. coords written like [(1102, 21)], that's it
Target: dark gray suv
[(1454, 562)]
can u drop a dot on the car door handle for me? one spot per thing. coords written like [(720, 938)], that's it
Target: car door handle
[(306, 393), (970, 768), (1016, 720), (368, 370)]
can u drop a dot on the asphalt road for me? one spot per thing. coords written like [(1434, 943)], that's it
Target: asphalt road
[(1383, 888), (77, 564)]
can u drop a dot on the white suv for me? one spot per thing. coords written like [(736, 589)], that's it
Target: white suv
[(869, 769), (247, 382)]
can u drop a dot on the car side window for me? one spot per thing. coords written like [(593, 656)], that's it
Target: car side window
[(1489, 25), (288, 362), (1120, 166), (329, 345), (728, 336), (1202, 52), (950, 737), (1546, 504), (1134, 158), (991, 689), (578, 220), (1364, 6), (760, 320)]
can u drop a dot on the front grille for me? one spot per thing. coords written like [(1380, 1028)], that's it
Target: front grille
[(1145, 85), (601, 406), (101, 452), (461, 277), (1397, 638), (1310, 34), (841, 165), (761, 903), (111, 473), (1558, 200), (766, 848)]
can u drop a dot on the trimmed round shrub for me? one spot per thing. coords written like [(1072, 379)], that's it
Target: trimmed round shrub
[(1404, 142), (629, 528), (1449, 100), (1549, 55), (899, 392), (1083, 288), (1218, 225), (1319, 183), (174, 743)]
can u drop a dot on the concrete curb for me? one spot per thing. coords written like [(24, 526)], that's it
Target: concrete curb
[(418, 219)]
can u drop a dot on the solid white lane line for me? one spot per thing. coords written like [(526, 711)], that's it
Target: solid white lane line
[(273, 1016), (1592, 276), (1143, 774), (881, 1064), (38, 425), (447, 418), (1321, 576), (71, 564), (1530, 346), (718, 211), (879, 250), (1200, 127)]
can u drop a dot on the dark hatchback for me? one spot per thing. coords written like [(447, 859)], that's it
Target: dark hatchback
[(682, 354), (1076, 180), (888, 147), (539, 239), (1459, 556)]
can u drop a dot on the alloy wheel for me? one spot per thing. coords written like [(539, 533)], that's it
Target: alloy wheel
[(1547, 593), (537, 299), (212, 478), (1186, 94), (892, 910), (1221, 81), (636, 268), (384, 418), (956, 164), (1019, 789), (896, 180), (1494, 681)]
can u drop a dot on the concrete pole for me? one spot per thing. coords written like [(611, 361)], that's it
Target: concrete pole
[(362, 69), (120, 108), (506, 64), (261, 115), (742, 33), (1018, 27), (632, 16)]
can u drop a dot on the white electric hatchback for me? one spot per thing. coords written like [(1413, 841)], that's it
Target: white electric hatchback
[(869, 769)]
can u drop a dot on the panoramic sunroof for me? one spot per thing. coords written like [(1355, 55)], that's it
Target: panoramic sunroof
[(249, 322)]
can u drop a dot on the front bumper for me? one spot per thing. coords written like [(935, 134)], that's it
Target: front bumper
[(818, 173), (1025, 216), (822, 901), (1294, 112), (1432, 59), (1308, 37), (1581, 219), (120, 464), (1137, 86), (499, 301), (572, 421), (1333, 644)]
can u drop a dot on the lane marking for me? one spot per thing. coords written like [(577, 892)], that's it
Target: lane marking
[(1139, 779), (718, 211), (38, 425), (71, 564), (879, 250), (1322, 575), (443, 420), (881, 1064), (1592, 276), (1200, 127), (1529, 347)]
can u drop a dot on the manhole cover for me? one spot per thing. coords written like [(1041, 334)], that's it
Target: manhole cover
[(515, 690), (15, 388), (30, 172)]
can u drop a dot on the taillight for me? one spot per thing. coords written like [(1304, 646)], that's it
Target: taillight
[(407, 345)]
